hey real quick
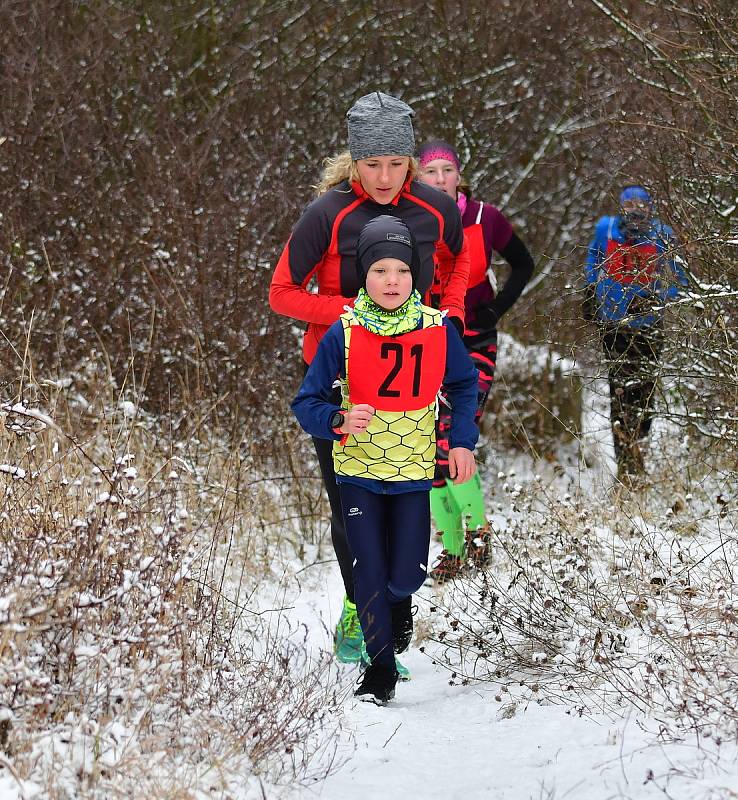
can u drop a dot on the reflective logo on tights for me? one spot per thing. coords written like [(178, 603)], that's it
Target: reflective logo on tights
[(355, 512)]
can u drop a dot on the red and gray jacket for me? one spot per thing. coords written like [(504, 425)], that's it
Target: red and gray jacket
[(323, 245)]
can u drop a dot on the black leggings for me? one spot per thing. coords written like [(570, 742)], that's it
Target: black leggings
[(324, 451), (632, 357), (389, 535)]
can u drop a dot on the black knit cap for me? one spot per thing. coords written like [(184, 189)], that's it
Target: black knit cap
[(386, 237)]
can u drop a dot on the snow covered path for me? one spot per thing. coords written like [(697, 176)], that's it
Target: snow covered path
[(447, 742), (441, 741)]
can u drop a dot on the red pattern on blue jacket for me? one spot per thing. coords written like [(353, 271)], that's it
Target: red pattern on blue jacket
[(632, 279), (323, 245)]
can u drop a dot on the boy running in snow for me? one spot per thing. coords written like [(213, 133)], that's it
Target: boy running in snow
[(391, 355)]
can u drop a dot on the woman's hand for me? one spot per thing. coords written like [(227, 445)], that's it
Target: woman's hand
[(461, 464), (357, 419)]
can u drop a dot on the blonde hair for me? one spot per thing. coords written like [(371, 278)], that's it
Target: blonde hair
[(342, 167)]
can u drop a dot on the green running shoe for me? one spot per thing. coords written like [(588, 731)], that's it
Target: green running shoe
[(348, 637), (403, 672)]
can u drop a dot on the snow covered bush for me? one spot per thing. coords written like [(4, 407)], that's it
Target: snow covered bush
[(606, 602), (535, 403), (130, 662)]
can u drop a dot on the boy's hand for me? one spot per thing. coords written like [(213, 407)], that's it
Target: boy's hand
[(461, 464), (357, 419)]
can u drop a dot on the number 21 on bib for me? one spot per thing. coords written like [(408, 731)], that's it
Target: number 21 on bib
[(396, 373)]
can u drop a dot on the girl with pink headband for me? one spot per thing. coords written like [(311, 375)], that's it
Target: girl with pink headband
[(458, 509)]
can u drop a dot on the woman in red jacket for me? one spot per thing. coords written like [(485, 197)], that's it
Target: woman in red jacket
[(458, 510), (376, 176)]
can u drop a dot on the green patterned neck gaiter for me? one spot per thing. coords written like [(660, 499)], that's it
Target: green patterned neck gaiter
[(388, 323)]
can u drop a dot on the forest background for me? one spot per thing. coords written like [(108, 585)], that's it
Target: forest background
[(154, 156)]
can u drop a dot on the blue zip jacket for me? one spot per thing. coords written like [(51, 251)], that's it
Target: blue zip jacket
[(631, 276), (314, 412)]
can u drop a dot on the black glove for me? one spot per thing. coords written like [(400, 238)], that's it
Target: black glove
[(589, 305), (458, 324), (640, 306), (487, 318)]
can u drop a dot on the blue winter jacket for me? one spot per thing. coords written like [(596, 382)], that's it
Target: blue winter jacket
[(314, 411), (632, 279)]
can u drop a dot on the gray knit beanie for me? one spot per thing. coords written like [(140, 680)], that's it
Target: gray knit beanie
[(380, 125)]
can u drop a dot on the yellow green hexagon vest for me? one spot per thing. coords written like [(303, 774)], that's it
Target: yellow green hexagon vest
[(397, 445)]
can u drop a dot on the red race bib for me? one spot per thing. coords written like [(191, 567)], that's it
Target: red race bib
[(396, 373), (631, 263)]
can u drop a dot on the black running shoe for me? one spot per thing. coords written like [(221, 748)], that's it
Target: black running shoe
[(477, 546), (447, 568), (402, 624), (377, 684)]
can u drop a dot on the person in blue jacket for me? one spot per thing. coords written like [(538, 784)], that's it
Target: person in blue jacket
[(630, 274), (390, 354)]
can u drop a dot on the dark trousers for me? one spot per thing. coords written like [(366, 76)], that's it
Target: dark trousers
[(632, 366), (389, 536)]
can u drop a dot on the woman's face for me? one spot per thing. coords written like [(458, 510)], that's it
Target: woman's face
[(389, 283), (383, 176), (441, 174)]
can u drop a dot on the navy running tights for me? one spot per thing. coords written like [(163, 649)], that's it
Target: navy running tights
[(389, 536)]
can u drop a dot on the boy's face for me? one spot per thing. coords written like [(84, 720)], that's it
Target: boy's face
[(389, 283)]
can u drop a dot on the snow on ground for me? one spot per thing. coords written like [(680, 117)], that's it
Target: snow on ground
[(441, 741)]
